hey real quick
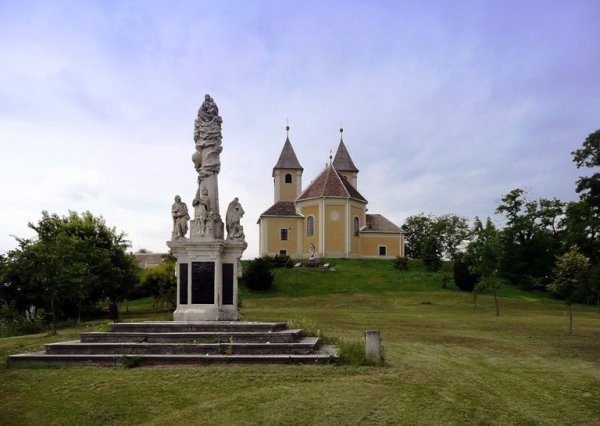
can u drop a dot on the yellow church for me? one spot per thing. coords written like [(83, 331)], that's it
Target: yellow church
[(330, 214)]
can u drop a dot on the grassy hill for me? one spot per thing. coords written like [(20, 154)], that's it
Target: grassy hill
[(447, 362)]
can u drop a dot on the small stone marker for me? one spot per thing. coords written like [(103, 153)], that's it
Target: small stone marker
[(373, 345)]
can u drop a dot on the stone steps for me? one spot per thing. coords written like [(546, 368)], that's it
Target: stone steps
[(283, 336), (186, 343), (197, 326), (304, 347)]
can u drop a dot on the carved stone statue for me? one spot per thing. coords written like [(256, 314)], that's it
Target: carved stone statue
[(180, 215), (201, 209), (311, 248), (235, 212), (207, 136)]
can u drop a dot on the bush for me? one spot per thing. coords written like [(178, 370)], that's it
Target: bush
[(400, 263), (279, 261), (258, 275), (13, 323), (463, 277)]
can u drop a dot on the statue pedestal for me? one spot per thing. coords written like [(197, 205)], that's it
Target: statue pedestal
[(207, 279)]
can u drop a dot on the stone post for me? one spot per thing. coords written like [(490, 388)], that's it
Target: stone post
[(373, 349)]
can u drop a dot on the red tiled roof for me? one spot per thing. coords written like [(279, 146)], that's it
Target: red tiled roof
[(281, 208), (330, 183), (378, 223)]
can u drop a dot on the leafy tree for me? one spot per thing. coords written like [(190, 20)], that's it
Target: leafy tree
[(73, 262), (258, 275), (432, 238), (588, 156), (484, 252), (160, 282), (531, 238), (569, 278), (464, 278), (583, 218), (417, 229)]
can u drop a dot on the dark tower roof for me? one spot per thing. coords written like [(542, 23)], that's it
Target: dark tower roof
[(342, 161), (287, 158)]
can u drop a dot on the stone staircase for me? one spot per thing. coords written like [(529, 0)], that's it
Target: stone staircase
[(186, 343)]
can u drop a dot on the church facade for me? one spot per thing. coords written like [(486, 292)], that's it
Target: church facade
[(330, 214)]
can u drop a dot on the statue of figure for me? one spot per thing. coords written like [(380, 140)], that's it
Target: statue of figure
[(311, 248), (235, 231), (180, 215), (201, 209), (207, 136)]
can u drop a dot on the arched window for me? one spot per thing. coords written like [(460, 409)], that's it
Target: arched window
[(356, 226), (310, 226), (288, 178)]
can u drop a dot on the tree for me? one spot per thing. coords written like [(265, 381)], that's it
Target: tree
[(432, 238), (161, 283), (73, 262), (569, 278), (589, 156), (417, 229), (531, 239), (484, 252), (583, 218)]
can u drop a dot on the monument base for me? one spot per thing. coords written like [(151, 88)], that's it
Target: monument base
[(207, 279), (194, 313)]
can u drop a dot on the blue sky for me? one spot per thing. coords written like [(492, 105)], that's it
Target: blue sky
[(446, 106)]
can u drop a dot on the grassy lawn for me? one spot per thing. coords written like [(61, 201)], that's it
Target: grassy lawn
[(447, 362)]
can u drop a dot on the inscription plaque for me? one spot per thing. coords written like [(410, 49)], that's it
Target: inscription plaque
[(203, 282), (228, 284), (183, 283)]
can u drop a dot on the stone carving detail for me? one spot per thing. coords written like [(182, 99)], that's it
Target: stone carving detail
[(235, 231), (180, 215), (207, 136)]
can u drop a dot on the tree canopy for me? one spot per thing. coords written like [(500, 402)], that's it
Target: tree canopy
[(71, 264)]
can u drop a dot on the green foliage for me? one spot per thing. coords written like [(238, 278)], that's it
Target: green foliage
[(532, 237), (570, 275), (160, 283), (427, 234), (14, 323), (432, 253), (258, 275), (589, 156), (400, 263), (464, 278), (279, 261), (74, 262)]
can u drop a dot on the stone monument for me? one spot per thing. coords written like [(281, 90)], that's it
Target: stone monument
[(208, 265)]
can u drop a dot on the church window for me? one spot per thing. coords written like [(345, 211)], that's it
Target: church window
[(288, 178), (356, 226), (284, 234), (282, 252), (382, 250), (310, 226)]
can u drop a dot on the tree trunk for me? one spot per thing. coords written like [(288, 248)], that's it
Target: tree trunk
[(496, 300), (53, 316), (570, 319)]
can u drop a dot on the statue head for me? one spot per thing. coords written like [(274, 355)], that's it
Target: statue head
[(177, 199)]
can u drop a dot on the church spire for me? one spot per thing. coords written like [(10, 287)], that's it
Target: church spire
[(342, 161)]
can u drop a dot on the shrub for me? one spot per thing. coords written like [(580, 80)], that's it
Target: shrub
[(463, 277), (258, 275), (279, 261), (400, 263)]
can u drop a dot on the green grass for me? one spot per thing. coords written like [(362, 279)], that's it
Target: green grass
[(447, 362)]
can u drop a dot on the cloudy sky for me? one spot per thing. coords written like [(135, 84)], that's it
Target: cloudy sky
[(445, 105)]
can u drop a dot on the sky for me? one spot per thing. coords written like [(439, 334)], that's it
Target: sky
[(446, 105)]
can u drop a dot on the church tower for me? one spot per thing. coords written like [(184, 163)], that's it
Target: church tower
[(344, 164), (287, 173)]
